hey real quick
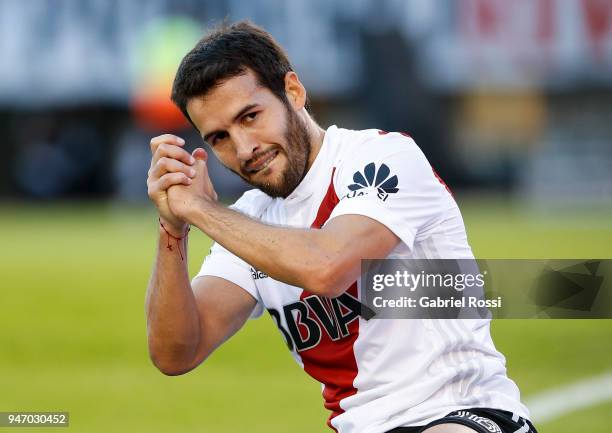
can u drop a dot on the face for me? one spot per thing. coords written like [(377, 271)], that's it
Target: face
[(254, 134)]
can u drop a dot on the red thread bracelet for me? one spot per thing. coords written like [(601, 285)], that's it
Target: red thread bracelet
[(178, 240)]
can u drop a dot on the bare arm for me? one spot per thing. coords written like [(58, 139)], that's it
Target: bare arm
[(184, 324), (173, 323), (326, 261)]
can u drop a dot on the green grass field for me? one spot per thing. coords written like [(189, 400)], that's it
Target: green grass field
[(72, 327)]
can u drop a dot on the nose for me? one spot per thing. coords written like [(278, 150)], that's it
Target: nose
[(245, 145)]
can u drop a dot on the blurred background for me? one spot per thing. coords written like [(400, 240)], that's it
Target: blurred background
[(510, 101)]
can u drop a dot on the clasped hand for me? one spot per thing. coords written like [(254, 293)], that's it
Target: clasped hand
[(178, 182)]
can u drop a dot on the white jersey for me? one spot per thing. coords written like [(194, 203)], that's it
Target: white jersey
[(376, 374)]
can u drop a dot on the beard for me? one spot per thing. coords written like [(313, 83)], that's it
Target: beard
[(297, 150)]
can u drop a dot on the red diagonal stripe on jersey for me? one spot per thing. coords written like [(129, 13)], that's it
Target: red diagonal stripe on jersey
[(327, 205), (331, 362)]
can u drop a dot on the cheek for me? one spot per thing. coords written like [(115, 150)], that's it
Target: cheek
[(272, 130)]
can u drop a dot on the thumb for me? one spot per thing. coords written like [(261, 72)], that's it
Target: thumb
[(200, 154), (201, 158)]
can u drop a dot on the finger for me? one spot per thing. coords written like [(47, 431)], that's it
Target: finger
[(165, 138), (172, 151), (168, 165), (166, 181), (170, 179), (200, 153)]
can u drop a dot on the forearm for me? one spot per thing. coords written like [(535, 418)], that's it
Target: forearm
[(300, 257), (172, 318)]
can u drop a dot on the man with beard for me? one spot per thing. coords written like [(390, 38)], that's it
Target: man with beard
[(323, 201)]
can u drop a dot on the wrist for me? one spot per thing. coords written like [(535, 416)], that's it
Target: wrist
[(198, 206), (180, 240), (175, 229)]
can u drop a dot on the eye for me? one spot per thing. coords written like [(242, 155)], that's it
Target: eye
[(217, 137), (251, 116)]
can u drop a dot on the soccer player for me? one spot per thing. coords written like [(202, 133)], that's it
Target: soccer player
[(323, 201)]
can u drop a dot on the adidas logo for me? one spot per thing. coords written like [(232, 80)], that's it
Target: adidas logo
[(257, 275), (380, 180)]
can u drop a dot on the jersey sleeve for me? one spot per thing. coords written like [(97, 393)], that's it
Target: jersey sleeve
[(388, 178), (223, 264)]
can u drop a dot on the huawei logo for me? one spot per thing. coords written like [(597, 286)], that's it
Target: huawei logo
[(371, 178)]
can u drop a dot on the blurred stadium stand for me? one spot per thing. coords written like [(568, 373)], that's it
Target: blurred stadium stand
[(505, 96)]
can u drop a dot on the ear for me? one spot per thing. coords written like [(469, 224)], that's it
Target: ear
[(296, 92)]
